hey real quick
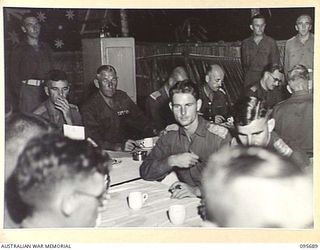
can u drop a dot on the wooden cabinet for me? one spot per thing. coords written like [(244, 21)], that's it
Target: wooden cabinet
[(118, 52)]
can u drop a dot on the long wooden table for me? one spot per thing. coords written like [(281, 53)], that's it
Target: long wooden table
[(125, 178), (125, 171), (117, 213)]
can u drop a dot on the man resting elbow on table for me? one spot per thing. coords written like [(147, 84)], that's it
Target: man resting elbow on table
[(111, 118), (184, 147)]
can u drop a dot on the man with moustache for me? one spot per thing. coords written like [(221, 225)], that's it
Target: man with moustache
[(215, 106)]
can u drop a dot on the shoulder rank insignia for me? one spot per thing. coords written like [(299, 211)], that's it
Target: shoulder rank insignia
[(171, 127), (218, 130), (282, 147), (254, 88), (74, 106), (155, 95)]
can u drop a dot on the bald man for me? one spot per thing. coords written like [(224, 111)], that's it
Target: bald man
[(215, 105), (157, 103)]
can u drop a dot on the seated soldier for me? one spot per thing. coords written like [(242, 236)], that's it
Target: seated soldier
[(57, 109), (157, 103), (19, 129), (268, 87), (184, 147), (255, 127), (62, 182), (215, 106), (253, 187), (111, 118), (294, 116)]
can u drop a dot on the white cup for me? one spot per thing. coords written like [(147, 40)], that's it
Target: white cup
[(177, 214), (136, 200), (148, 142)]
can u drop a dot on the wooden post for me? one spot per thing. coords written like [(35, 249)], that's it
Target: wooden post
[(124, 23)]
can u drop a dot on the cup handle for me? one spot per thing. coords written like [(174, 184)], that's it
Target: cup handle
[(144, 197)]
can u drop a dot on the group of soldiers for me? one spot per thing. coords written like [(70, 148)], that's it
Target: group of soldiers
[(193, 120)]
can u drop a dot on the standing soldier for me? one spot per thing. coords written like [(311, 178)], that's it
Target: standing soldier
[(299, 49), (31, 60), (257, 51)]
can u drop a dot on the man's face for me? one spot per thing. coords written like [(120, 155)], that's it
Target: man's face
[(256, 133), (177, 78), (258, 25), (303, 25), (31, 27), (107, 83), (57, 90), (184, 107), (273, 80), (89, 193), (215, 79)]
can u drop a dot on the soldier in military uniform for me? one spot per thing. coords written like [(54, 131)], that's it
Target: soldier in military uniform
[(30, 61), (215, 105), (111, 118), (56, 108), (294, 116), (157, 103), (268, 87), (255, 127), (184, 148)]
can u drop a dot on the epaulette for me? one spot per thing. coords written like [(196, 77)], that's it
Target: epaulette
[(74, 106), (282, 147), (40, 110), (155, 95), (217, 130), (254, 88), (292, 38), (171, 127), (222, 91)]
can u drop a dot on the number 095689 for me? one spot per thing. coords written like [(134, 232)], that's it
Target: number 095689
[(308, 245)]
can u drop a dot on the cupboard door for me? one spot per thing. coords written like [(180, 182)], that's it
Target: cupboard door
[(118, 52)]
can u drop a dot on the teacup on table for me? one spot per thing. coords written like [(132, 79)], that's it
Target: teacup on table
[(177, 214), (137, 199)]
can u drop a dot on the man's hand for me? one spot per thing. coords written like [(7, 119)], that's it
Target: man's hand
[(130, 145), (184, 160), (219, 119), (181, 190), (63, 105)]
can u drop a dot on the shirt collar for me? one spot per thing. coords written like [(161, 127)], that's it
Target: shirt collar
[(301, 93), (108, 101), (201, 129), (310, 38)]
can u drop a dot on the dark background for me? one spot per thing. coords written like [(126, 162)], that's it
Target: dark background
[(152, 25)]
